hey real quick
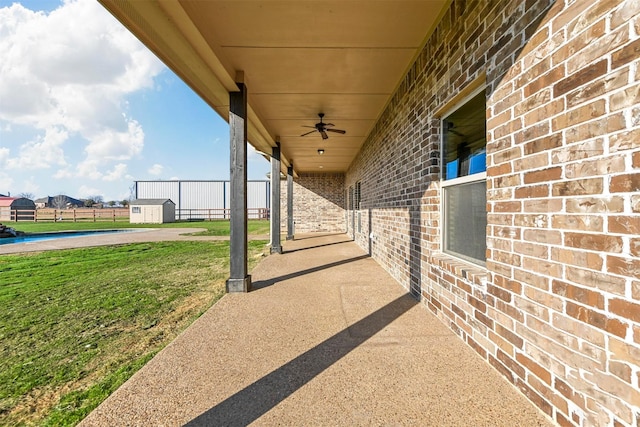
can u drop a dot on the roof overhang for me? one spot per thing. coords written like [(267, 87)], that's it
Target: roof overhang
[(343, 58)]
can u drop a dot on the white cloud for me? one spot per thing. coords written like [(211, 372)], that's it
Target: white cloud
[(118, 172), (113, 145), (6, 182), (30, 186), (63, 174), (41, 153), (156, 170), (68, 74), (85, 191), (88, 169), (4, 154)]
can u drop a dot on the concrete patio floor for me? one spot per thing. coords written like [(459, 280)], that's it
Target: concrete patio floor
[(326, 338)]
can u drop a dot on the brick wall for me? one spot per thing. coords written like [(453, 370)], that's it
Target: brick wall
[(557, 309), (319, 203)]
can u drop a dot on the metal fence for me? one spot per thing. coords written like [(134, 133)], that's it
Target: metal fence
[(203, 195), (217, 214)]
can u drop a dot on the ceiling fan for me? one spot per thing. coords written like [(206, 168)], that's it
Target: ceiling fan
[(323, 128)]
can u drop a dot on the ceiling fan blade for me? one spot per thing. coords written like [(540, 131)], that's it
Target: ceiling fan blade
[(324, 134), (305, 134), (305, 126), (328, 124), (336, 131)]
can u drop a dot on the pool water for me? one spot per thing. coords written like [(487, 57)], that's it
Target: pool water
[(39, 237)]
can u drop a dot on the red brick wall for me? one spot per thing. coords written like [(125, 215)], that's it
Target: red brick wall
[(557, 308), (319, 203)]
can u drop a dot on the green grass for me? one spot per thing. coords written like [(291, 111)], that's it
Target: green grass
[(77, 323), (213, 228)]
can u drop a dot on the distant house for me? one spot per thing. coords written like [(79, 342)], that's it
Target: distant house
[(152, 211), (60, 201), (16, 209)]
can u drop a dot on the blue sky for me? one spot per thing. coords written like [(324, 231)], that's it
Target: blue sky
[(86, 109)]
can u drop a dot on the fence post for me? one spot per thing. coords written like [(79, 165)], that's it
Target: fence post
[(75, 217), (94, 215), (114, 215), (55, 215)]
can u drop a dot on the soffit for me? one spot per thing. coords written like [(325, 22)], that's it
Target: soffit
[(298, 58)]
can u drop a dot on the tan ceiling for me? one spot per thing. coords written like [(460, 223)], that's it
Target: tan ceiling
[(298, 58)]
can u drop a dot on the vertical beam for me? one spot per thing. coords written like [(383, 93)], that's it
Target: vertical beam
[(276, 245), (239, 281), (179, 199), (290, 224), (224, 200)]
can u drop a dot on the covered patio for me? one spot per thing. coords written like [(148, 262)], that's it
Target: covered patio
[(303, 82), (484, 154), (327, 337)]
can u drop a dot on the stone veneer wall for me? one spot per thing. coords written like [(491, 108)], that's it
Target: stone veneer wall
[(318, 203), (557, 309)]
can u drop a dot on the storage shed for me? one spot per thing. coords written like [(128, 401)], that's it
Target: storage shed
[(16, 209), (152, 211)]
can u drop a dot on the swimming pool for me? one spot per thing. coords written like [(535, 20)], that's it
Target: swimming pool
[(39, 237)]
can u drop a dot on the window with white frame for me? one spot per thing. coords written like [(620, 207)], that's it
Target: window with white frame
[(464, 187), (135, 209)]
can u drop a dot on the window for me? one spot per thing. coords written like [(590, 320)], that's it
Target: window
[(464, 184), (350, 221), (135, 209), (351, 198), (357, 196)]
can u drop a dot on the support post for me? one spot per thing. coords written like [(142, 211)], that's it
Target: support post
[(290, 224), (276, 245), (239, 280)]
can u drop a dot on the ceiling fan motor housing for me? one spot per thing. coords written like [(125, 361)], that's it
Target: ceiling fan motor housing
[(322, 128)]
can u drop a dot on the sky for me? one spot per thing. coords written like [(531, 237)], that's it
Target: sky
[(86, 109)]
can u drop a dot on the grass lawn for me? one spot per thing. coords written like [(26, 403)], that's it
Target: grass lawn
[(77, 323), (213, 228)]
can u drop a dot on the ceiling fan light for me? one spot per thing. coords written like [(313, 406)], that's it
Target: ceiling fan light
[(321, 151)]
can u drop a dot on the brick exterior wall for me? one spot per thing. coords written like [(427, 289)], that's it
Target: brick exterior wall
[(319, 203), (557, 309)]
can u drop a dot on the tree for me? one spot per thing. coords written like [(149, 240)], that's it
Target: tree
[(132, 192), (124, 203), (59, 202), (111, 203), (30, 196), (93, 200)]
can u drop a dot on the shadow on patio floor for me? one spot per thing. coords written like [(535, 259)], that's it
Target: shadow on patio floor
[(334, 340)]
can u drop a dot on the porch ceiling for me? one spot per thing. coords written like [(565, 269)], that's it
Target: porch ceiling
[(298, 58)]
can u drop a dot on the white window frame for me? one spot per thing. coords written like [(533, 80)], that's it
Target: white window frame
[(444, 183)]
